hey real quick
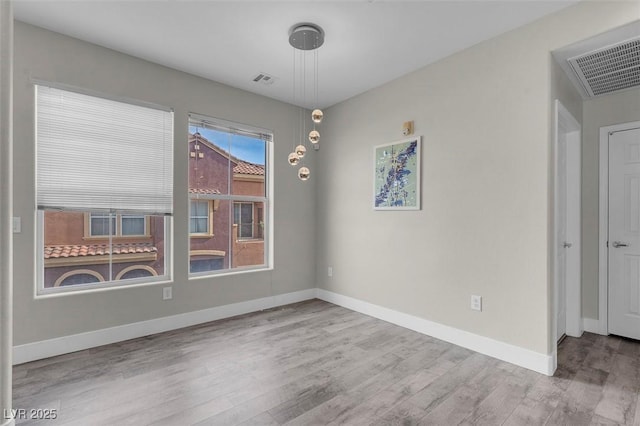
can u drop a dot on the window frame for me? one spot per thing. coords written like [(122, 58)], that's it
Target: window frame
[(266, 200), (110, 282), (117, 230)]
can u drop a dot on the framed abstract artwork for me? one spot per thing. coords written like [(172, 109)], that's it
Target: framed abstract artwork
[(396, 180)]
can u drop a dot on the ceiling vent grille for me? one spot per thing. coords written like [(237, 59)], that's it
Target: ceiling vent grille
[(610, 69), (264, 78)]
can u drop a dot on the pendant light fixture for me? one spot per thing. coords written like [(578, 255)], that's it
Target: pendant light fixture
[(305, 38)]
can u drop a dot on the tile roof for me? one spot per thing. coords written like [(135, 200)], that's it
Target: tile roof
[(204, 191), (57, 252), (245, 168)]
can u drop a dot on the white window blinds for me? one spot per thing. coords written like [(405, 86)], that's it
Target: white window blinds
[(99, 154)]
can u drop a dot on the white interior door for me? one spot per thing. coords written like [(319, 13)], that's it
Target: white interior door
[(567, 226), (561, 233), (624, 233)]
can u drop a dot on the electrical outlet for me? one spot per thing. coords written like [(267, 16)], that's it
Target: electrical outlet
[(167, 293), (330, 271), (17, 225), (476, 302)]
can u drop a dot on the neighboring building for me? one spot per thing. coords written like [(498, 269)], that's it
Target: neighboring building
[(77, 249)]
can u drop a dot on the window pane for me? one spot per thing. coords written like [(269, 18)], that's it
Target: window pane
[(211, 252), (209, 162), (100, 224), (201, 208), (144, 258), (243, 219), (249, 167), (249, 247), (204, 265), (133, 225), (199, 223), (70, 259)]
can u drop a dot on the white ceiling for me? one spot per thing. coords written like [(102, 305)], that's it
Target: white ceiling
[(367, 43)]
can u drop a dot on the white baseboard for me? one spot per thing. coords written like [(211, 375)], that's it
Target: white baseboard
[(76, 342), (541, 363), (591, 325)]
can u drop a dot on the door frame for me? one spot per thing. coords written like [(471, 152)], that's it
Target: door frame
[(603, 234), (565, 121)]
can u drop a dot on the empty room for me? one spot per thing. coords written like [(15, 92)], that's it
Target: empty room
[(309, 213)]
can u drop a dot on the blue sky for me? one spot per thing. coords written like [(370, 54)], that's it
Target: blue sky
[(245, 148)]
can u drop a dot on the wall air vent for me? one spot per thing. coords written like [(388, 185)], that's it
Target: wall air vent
[(264, 78), (609, 69)]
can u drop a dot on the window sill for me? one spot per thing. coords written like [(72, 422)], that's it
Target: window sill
[(116, 237), (51, 292), (229, 272)]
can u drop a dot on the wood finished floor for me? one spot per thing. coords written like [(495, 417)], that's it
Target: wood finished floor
[(314, 363)]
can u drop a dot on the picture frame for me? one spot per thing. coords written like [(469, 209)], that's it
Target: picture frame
[(396, 176)]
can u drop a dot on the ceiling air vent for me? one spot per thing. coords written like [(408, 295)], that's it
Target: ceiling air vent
[(264, 78), (610, 69)]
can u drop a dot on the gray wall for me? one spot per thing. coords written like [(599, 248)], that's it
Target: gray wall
[(44, 55), (484, 228), (598, 112)]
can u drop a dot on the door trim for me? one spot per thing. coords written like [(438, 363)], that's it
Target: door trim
[(603, 234), (565, 120)]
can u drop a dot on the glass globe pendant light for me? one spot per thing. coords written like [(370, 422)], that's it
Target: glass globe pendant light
[(314, 136), (303, 173), (294, 159), (305, 37)]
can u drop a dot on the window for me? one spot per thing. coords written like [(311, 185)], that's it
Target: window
[(199, 217), (131, 224), (229, 187), (243, 219), (104, 191), (102, 224), (126, 225)]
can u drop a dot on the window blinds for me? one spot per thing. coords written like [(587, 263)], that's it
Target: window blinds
[(229, 127), (99, 154)]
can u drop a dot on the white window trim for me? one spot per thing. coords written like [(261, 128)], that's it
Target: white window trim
[(267, 200)]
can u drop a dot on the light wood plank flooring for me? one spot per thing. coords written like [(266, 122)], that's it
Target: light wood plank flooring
[(314, 363)]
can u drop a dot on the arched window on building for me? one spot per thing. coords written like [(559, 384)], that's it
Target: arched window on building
[(136, 271), (79, 276)]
